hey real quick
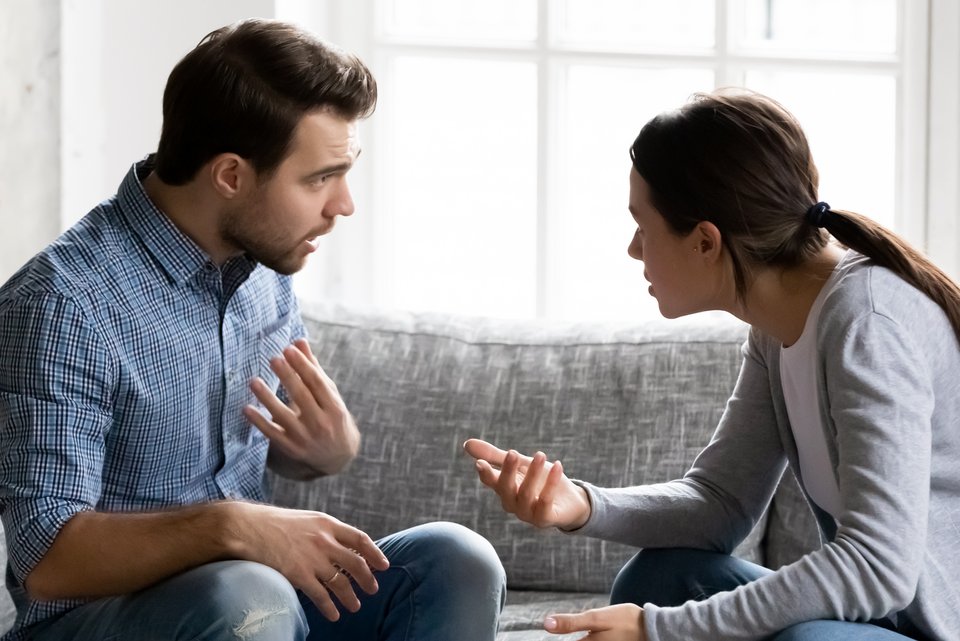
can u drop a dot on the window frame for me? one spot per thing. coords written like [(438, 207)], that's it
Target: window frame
[(357, 267)]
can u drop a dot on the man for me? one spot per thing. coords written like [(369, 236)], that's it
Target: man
[(152, 363)]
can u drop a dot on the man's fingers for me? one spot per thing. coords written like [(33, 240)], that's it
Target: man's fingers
[(268, 428), (341, 587), (356, 568), (364, 546), (320, 386), (481, 450), (298, 388), (321, 598), (281, 414), (304, 346)]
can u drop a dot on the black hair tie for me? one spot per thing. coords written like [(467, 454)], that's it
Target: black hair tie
[(817, 215)]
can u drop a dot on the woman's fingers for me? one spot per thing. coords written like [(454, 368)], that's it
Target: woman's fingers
[(544, 513), (484, 451), (527, 486), (529, 491), (621, 622), (507, 484), (488, 475)]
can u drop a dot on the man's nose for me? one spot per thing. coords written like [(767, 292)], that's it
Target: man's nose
[(342, 202)]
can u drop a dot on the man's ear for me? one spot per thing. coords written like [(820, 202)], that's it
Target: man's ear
[(231, 175), (707, 239)]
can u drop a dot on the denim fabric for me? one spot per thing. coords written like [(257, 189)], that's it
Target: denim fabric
[(668, 577), (445, 582)]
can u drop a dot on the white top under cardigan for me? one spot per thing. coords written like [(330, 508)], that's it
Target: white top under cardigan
[(798, 376), (888, 375)]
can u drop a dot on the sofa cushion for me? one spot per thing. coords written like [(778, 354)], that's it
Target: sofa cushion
[(522, 618), (620, 404)]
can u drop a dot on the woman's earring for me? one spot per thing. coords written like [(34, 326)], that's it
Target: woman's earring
[(696, 249)]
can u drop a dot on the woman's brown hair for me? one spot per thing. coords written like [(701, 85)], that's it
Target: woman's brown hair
[(244, 89), (741, 161)]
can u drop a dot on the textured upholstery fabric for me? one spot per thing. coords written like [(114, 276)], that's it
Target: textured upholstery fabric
[(618, 403)]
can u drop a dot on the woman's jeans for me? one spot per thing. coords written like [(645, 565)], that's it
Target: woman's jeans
[(673, 576), (445, 582)]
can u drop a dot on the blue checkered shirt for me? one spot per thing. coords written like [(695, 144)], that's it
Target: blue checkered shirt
[(124, 361)]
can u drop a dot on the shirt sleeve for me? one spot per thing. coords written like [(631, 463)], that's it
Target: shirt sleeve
[(881, 401), (723, 495), (55, 395)]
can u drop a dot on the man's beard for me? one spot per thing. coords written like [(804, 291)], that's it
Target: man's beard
[(262, 243)]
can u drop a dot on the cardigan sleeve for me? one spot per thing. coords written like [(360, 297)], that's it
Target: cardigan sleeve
[(719, 500), (880, 398)]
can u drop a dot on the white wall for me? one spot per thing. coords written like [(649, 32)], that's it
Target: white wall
[(117, 56), (80, 100), (29, 129)]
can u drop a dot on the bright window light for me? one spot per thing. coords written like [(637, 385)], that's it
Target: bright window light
[(500, 144)]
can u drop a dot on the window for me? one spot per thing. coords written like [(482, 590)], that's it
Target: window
[(494, 176)]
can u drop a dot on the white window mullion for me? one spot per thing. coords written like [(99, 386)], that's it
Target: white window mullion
[(546, 97), (565, 252), (911, 211), (943, 215), (726, 74)]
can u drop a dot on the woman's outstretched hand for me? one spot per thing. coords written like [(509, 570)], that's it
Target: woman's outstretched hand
[(622, 622), (534, 490)]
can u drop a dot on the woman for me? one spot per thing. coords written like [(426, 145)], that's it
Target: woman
[(851, 376)]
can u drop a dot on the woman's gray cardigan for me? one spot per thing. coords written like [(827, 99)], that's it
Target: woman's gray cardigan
[(889, 381)]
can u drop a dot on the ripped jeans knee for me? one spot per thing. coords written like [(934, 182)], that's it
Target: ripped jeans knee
[(222, 601), (251, 602)]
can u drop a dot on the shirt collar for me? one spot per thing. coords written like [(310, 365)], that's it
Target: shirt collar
[(179, 256)]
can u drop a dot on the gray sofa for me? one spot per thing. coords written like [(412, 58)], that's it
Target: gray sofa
[(620, 404)]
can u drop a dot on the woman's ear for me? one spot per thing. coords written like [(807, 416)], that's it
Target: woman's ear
[(707, 240), (230, 175)]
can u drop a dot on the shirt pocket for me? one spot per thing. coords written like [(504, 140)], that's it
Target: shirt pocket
[(271, 343)]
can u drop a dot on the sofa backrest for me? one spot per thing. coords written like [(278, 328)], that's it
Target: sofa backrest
[(619, 404)]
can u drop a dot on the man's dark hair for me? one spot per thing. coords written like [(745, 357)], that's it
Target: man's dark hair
[(243, 90)]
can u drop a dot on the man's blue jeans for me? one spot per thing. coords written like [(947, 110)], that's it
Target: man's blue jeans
[(444, 582), (673, 576)]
